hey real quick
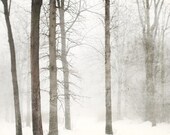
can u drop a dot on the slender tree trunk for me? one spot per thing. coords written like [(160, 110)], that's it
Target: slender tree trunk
[(13, 70), (65, 68), (108, 129), (35, 79), (53, 123)]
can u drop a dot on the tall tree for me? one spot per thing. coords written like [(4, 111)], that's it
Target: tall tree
[(53, 124), (13, 69), (149, 42), (65, 65), (165, 22), (108, 101), (35, 79)]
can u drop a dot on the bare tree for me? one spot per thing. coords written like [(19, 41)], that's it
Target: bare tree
[(67, 7), (53, 123), (163, 29), (149, 41), (71, 8), (108, 101), (13, 68), (35, 79), (65, 65)]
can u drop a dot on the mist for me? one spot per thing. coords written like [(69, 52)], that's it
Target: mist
[(86, 59)]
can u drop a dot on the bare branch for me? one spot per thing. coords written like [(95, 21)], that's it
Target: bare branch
[(75, 17), (9, 9), (140, 16)]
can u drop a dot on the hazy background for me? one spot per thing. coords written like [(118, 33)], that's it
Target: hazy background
[(87, 61)]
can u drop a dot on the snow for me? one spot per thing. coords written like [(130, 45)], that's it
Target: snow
[(86, 126)]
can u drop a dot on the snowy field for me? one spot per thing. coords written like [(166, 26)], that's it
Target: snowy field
[(93, 127)]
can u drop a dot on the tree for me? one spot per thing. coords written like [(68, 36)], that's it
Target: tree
[(164, 28), (108, 101), (13, 69), (53, 124), (120, 50), (149, 41), (74, 10), (35, 80), (65, 65)]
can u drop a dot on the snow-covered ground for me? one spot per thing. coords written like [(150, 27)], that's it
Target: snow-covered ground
[(93, 127)]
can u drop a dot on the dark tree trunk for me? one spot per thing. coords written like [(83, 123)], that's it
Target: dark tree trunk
[(53, 123), (13, 71), (108, 129), (35, 79)]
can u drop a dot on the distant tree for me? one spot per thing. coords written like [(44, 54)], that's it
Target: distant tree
[(13, 68), (35, 79), (150, 30), (74, 10), (61, 5), (161, 64)]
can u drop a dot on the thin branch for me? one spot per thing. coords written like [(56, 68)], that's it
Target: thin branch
[(78, 14), (9, 9), (140, 16)]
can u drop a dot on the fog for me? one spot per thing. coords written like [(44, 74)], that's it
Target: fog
[(87, 60)]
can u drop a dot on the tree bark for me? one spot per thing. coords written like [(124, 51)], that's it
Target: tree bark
[(53, 123), (13, 70), (35, 79), (108, 128), (65, 68)]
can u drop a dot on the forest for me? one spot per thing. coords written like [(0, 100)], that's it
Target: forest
[(85, 67)]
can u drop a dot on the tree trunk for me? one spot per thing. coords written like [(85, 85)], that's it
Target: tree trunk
[(35, 79), (13, 71), (150, 88), (108, 128), (53, 123), (149, 64), (65, 68)]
